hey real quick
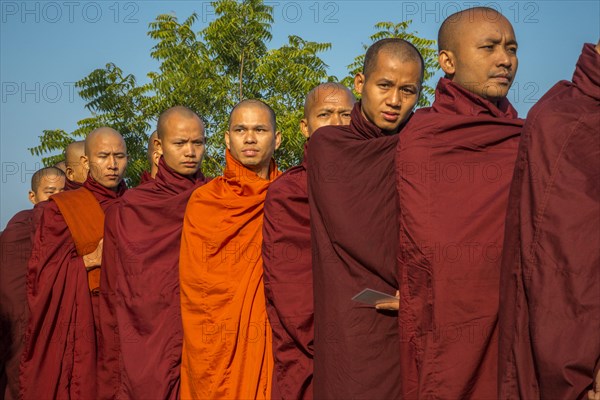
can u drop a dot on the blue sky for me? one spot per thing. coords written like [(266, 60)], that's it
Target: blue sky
[(46, 46)]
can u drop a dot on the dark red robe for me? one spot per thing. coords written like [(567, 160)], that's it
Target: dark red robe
[(15, 249), (454, 164), (353, 201), (72, 185), (140, 312), (146, 177), (550, 297), (287, 269), (59, 356)]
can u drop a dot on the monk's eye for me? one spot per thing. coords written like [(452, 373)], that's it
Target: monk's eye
[(384, 85), (408, 90), (323, 115), (346, 115), (512, 50)]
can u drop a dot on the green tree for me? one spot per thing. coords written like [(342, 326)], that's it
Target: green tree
[(210, 71)]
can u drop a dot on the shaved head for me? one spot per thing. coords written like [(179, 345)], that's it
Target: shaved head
[(74, 151), (255, 103), (61, 165), (478, 51), (97, 134), (46, 182), (328, 92), (75, 170), (329, 103), (179, 111), (105, 157), (180, 140), (453, 27), (398, 48)]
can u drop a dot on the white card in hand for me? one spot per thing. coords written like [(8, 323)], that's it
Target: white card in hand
[(373, 297)]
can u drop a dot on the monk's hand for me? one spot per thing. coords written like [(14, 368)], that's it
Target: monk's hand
[(594, 394), (94, 259), (389, 305)]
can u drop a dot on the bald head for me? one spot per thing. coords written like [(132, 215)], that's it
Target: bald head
[(454, 26), (46, 182), (478, 51), (177, 111), (75, 170), (326, 104), (105, 157), (258, 104), (61, 165), (180, 140), (397, 48), (328, 92)]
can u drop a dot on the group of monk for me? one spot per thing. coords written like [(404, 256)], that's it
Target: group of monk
[(480, 227)]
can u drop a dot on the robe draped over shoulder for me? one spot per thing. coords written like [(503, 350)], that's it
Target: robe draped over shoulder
[(454, 165), (353, 204), (59, 356), (287, 263), (550, 292), (227, 349), (140, 317)]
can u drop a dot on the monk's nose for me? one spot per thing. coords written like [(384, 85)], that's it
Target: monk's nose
[(336, 119), (394, 98), (250, 137), (504, 57)]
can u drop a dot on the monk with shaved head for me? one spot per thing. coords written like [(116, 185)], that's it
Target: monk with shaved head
[(15, 247), (352, 202), (140, 315), (454, 164), (286, 231), (59, 358), (152, 156), (62, 165), (75, 170), (227, 351)]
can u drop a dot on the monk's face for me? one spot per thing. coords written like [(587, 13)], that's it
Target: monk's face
[(252, 138), (49, 184), (485, 57), (107, 160), (331, 105), (182, 145), (389, 92)]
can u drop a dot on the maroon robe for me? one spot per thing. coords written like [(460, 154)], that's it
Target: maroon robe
[(140, 312), (15, 248), (59, 356), (550, 297), (72, 185), (146, 177), (352, 206), (454, 165), (287, 269)]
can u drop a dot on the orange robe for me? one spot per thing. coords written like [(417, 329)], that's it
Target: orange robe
[(227, 346)]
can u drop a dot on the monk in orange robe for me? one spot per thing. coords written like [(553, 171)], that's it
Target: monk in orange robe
[(15, 247), (59, 356), (227, 351)]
